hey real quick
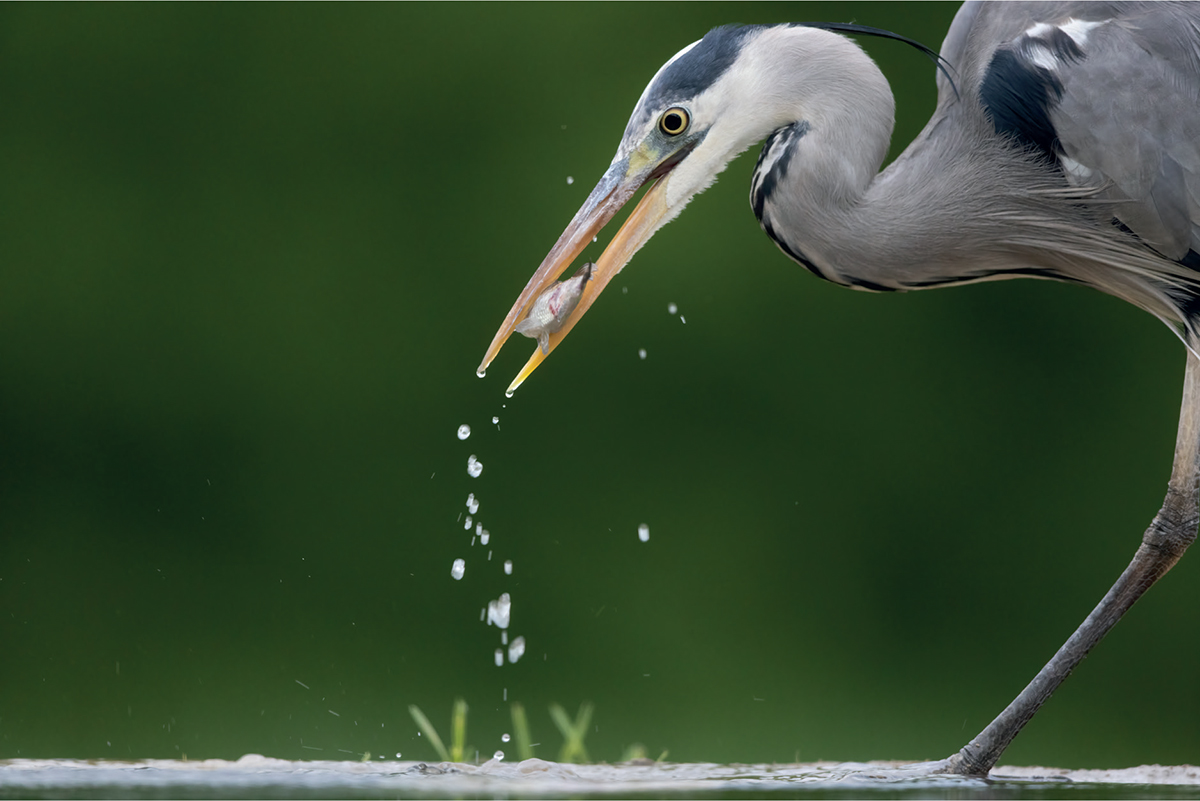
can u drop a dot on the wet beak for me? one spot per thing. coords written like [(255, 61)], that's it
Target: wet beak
[(614, 190)]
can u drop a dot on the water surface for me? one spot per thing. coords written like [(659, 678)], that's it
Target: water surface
[(255, 776)]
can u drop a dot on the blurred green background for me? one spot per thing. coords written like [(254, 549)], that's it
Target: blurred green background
[(251, 256)]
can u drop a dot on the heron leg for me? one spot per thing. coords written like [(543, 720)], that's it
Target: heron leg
[(1173, 529)]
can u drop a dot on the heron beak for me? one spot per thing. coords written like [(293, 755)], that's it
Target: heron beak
[(619, 183)]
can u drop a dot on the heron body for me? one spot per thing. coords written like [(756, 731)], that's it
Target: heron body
[(1065, 145)]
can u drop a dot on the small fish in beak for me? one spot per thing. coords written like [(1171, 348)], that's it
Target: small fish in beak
[(553, 307)]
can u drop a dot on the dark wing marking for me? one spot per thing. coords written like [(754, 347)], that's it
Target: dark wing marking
[(1021, 86)]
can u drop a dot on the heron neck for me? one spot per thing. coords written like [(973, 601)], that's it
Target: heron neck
[(928, 220)]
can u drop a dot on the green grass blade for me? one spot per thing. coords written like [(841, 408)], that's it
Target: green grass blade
[(573, 732), (632, 752), (458, 734), (430, 733), (563, 723), (521, 732)]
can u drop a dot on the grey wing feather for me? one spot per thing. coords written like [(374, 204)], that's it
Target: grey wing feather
[(1127, 121), (1130, 113)]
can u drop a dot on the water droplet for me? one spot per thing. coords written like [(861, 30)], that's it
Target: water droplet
[(644, 533), (496, 421), (464, 431), (683, 319), (500, 611), (480, 373), (508, 567), (474, 467), (499, 755), (641, 353), (517, 649), (624, 290), (672, 308), (397, 755), (499, 657), (484, 536), (508, 393), (504, 638), (458, 568), (472, 503), (570, 180), (504, 738), (467, 523)]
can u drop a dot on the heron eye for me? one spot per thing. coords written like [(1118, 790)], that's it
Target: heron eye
[(674, 121)]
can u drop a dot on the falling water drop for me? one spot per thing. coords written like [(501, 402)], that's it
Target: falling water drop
[(516, 649), (499, 611), (484, 536), (499, 755), (644, 533), (499, 657), (641, 353), (464, 431), (397, 755), (496, 421), (474, 467), (508, 567), (504, 638), (472, 503), (458, 568), (504, 738), (467, 523), (570, 180), (672, 308)]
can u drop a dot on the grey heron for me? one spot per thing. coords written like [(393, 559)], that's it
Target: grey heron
[(1065, 145)]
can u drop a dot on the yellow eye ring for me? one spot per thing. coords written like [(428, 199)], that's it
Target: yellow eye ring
[(674, 121)]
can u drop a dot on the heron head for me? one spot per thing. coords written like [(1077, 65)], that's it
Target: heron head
[(708, 103)]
